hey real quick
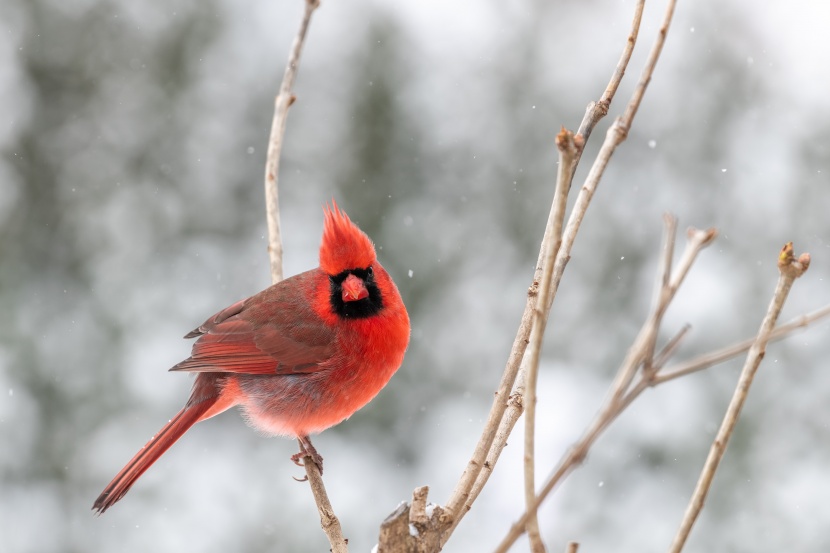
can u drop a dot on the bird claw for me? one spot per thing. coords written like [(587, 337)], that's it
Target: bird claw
[(309, 451), (297, 458)]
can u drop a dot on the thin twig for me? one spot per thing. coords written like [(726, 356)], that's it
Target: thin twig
[(460, 500), (328, 520), (507, 407), (514, 411), (713, 358), (568, 157), (670, 347), (790, 269), (573, 547), (643, 346), (708, 360), (486, 450), (616, 400), (567, 153), (615, 136), (597, 110), (662, 284), (272, 163), (284, 99), (648, 71)]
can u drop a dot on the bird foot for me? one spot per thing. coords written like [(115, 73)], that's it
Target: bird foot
[(307, 450)]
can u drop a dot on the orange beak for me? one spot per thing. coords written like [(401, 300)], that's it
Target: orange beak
[(354, 289)]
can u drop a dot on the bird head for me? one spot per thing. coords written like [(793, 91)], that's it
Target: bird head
[(348, 257)]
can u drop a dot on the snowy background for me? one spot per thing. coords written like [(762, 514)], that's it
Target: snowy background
[(132, 148)]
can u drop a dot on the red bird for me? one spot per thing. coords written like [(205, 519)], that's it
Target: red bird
[(298, 357)]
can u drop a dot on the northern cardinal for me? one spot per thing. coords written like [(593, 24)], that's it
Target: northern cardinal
[(298, 357)]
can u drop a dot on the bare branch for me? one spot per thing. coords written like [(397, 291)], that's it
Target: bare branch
[(284, 99), (669, 349), (459, 503), (328, 520), (568, 158), (567, 154), (643, 347), (597, 110), (514, 410), (670, 221), (713, 358), (487, 449), (662, 284), (790, 269), (281, 104), (617, 399), (648, 71)]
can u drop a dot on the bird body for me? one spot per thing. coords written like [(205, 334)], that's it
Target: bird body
[(298, 357)]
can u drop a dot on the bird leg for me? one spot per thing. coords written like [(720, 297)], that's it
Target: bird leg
[(307, 450)]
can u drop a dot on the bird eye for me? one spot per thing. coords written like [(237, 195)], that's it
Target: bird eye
[(369, 272)]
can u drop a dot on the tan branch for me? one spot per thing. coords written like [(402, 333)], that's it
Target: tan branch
[(459, 502), (614, 403), (284, 99), (642, 350), (719, 356), (511, 416), (597, 110), (790, 269), (473, 480), (648, 71), (669, 349), (488, 448), (567, 155), (328, 520)]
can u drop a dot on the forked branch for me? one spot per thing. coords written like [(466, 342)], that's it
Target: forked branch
[(637, 359), (507, 407)]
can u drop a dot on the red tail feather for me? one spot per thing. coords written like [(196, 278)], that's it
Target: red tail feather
[(150, 453)]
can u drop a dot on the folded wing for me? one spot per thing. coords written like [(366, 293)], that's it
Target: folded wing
[(275, 334)]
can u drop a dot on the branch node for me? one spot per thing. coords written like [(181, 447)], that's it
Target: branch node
[(702, 237), (565, 141), (789, 265), (516, 400), (620, 129)]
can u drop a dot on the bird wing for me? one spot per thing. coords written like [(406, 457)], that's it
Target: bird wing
[(274, 332)]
